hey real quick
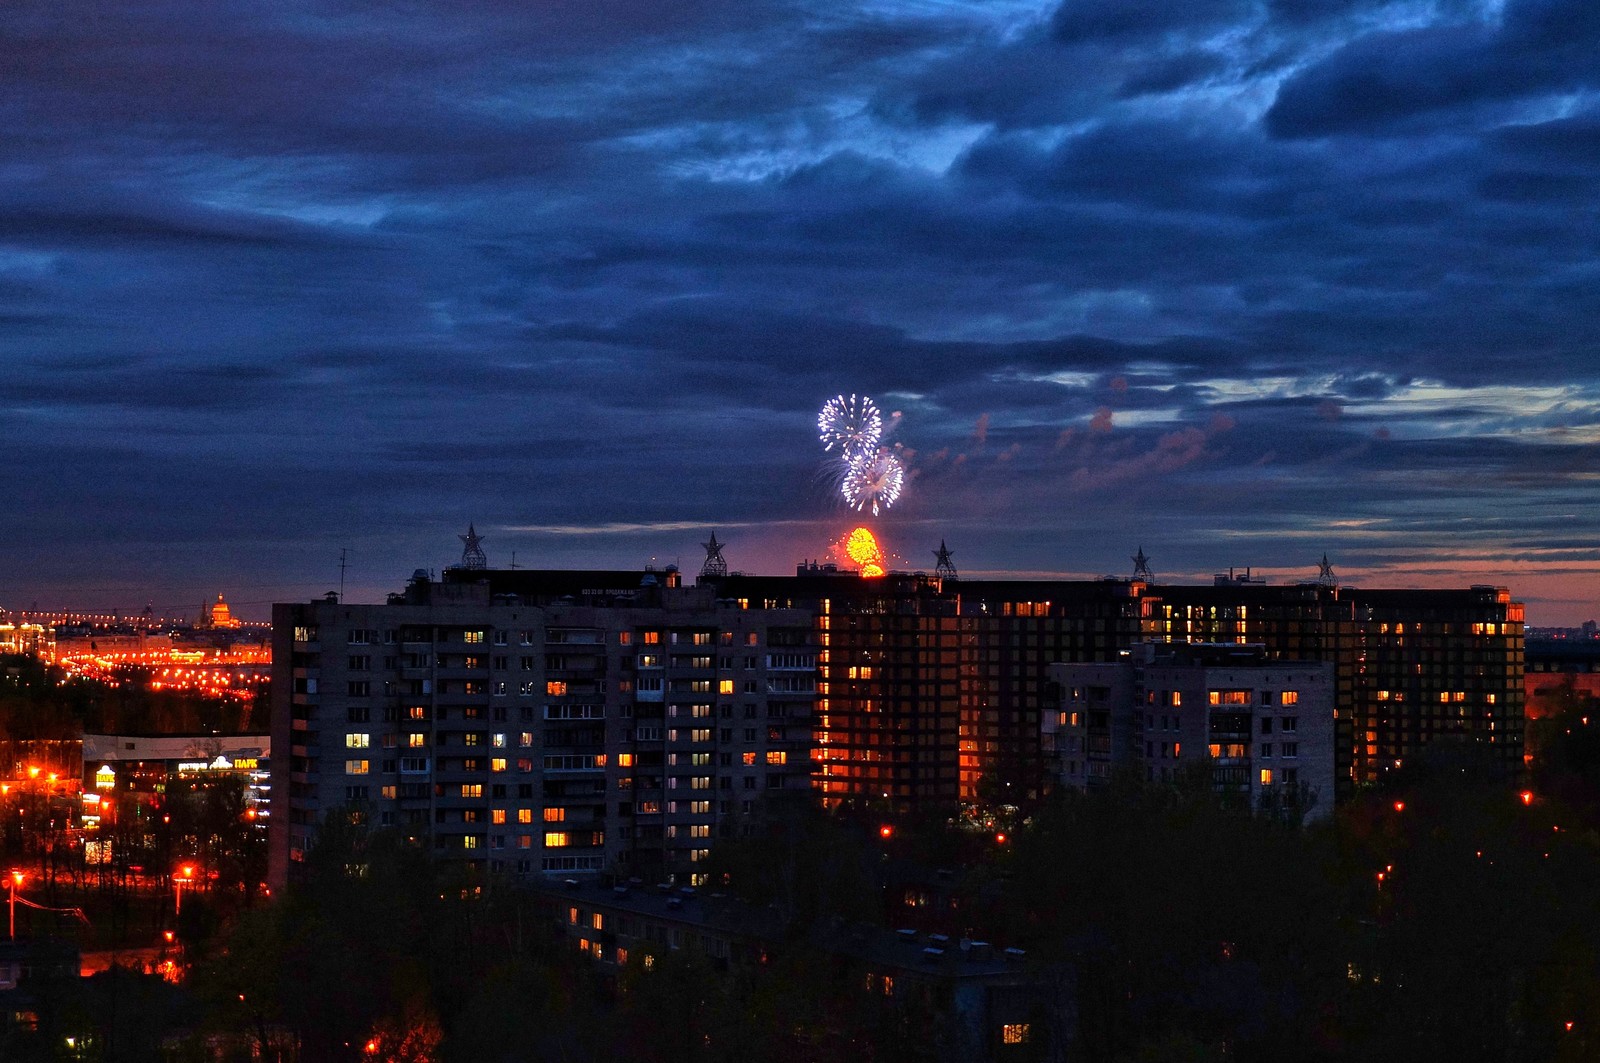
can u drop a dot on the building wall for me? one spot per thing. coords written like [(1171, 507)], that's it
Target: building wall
[(905, 691), (623, 729), (1555, 666), (1264, 729), (1412, 666)]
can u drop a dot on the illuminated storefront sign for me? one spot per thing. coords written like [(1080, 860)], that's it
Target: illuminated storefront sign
[(222, 763)]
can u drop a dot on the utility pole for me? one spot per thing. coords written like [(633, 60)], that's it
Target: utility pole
[(342, 553)]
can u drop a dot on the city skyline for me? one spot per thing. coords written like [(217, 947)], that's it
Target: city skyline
[(1237, 283)]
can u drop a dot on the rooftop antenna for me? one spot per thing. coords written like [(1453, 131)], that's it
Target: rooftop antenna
[(715, 565), (944, 566), (513, 560), (473, 556), (1141, 567), (1325, 574), (342, 565)]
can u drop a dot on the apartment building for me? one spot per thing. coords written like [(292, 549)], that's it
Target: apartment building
[(541, 722), (561, 722), (1262, 729)]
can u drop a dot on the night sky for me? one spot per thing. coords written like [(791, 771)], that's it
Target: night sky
[(1239, 282)]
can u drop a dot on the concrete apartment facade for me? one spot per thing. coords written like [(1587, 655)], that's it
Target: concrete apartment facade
[(1262, 728), (560, 722), (598, 720)]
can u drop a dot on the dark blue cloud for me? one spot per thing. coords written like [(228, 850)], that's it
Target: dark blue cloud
[(1241, 280), (1411, 80), (1096, 20)]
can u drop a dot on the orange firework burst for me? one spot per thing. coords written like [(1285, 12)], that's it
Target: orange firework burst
[(861, 546)]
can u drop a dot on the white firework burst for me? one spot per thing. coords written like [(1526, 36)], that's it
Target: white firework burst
[(853, 425), (873, 479)]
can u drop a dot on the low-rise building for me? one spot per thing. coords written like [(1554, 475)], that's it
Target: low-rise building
[(122, 771), (985, 996)]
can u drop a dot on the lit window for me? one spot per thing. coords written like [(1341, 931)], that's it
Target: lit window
[(777, 757), (497, 816), (556, 840), (725, 686), (554, 815), (1291, 697), (497, 764), (499, 741), (555, 688), (749, 759), (357, 767), (1266, 776), (472, 789), (357, 741), (624, 760), (598, 921), (1014, 1033), (469, 841), (652, 638), (472, 638)]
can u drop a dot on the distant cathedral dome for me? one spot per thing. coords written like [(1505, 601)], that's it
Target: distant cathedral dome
[(219, 615)]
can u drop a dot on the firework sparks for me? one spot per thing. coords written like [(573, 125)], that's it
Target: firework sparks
[(853, 425), (861, 546), (864, 472), (874, 480)]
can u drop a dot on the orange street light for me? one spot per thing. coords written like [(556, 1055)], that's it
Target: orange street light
[(16, 880), (33, 771), (1527, 797), (178, 882)]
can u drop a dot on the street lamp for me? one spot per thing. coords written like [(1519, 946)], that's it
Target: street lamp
[(16, 878), (184, 878)]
